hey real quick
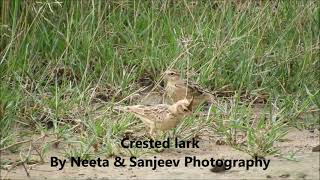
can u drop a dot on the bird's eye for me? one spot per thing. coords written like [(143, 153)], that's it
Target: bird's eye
[(185, 110), (171, 74)]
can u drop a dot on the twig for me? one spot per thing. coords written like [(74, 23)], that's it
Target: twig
[(21, 142), (25, 169), (12, 167), (40, 155), (26, 159)]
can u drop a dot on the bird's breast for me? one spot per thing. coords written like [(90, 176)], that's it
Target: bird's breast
[(176, 93)]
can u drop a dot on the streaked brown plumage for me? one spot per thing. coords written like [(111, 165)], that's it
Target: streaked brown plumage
[(177, 89), (161, 116)]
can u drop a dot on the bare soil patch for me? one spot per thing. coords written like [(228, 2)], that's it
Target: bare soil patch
[(297, 161)]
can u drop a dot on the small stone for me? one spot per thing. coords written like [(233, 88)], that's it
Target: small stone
[(220, 142), (285, 175), (218, 169), (316, 149), (268, 176), (301, 175)]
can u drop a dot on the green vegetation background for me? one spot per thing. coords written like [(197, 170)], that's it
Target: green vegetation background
[(56, 54)]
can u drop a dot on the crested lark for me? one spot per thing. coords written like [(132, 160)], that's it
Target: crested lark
[(161, 116), (177, 89)]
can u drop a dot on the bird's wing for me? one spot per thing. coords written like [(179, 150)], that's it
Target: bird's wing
[(151, 114), (193, 88)]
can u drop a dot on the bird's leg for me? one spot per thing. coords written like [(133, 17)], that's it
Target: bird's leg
[(169, 134), (166, 134), (152, 133), (173, 134), (151, 130)]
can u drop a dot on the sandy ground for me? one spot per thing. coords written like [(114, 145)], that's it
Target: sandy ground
[(300, 143), (304, 166)]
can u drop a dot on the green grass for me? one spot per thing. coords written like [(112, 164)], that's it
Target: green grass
[(55, 58)]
